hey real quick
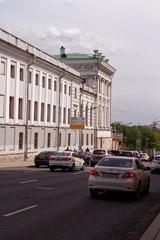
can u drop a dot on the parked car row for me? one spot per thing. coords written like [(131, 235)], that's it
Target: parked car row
[(59, 159)]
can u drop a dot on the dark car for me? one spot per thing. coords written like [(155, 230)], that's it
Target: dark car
[(86, 156), (43, 158), (97, 155)]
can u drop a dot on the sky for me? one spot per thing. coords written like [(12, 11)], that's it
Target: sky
[(127, 32)]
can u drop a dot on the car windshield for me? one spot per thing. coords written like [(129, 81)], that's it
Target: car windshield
[(116, 162), (99, 152)]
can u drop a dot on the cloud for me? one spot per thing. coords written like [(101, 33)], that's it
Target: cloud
[(68, 4)]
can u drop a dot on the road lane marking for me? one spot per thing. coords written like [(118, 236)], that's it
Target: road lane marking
[(29, 181), (44, 188), (78, 173), (19, 211)]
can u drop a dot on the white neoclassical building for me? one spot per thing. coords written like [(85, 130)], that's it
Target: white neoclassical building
[(98, 74), (39, 94)]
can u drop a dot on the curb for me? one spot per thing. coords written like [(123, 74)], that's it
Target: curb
[(153, 231)]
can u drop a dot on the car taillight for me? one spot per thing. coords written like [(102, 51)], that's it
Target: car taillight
[(51, 158), (128, 175), (93, 172), (67, 159)]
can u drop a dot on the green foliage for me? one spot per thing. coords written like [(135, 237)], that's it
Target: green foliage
[(138, 136)]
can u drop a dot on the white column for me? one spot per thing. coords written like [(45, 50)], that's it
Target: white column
[(7, 90), (39, 98), (33, 96), (17, 93), (46, 101), (52, 98)]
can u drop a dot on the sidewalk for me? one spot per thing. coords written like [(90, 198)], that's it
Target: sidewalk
[(16, 163)]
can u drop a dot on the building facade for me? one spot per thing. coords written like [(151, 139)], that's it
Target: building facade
[(38, 96), (98, 74)]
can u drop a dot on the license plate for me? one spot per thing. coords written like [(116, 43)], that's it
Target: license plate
[(110, 175)]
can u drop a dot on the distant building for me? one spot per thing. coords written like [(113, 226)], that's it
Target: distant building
[(155, 125), (98, 74)]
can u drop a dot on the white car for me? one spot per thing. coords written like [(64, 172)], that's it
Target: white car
[(119, 174), (144, 157), (66, 160), (155, 164)]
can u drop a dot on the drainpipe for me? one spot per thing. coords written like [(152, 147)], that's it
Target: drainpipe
[(27, 108), (59, 105)]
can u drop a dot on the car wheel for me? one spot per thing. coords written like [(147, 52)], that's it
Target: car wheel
[(83, 167), (147, 188), (51, 169), (37, 165), (138, 192), (93, 193), (92, 164), (72, 169)]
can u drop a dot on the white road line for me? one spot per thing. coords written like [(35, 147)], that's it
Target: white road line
[(77, 173), (19, 211), (29, 181), (44, 188)]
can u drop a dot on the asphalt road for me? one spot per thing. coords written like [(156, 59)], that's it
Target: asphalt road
[(38, 205)]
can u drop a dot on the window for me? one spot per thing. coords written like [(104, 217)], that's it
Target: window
[(75, 113), (30, 77), (21, 140), (82, 140), (65, 89), (11, 107), (20, 108), (60, 114), (48, 112), (3, 68), (60, 86), (69, 139), (75, 93), (13, 69), (29, 109), (43, 81), (55, 86), (60, 139), (49, 140), (54, 113), (69, 115), (37, 79), (35, 140), (91, 116), (92, 139), (42, 111), (64, 115), (69, 90), (86, 115), (35, 111), (49, 83), (86, 139), (81, 110), (21, 74)]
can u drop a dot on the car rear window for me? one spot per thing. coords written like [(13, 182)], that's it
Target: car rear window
[(116, 162), (99, 152), (126, 154)]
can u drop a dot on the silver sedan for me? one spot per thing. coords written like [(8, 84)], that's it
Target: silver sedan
[(119, 174)]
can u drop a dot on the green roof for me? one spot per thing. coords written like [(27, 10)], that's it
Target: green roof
[(75, 56)]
